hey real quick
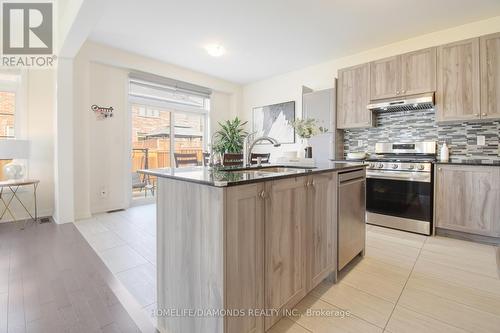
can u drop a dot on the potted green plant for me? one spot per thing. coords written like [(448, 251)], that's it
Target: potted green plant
[(306, 129), (230, 136)]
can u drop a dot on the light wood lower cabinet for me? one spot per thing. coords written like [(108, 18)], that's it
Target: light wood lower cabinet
[(467, 199), (285, 249), (280, 243), (322, 228), (244, 268)]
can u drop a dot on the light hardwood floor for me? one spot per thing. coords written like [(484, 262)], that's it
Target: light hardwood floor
[(52, 281), (405, 283)]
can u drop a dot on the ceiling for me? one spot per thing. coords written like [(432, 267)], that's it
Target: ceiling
[(268, 37)]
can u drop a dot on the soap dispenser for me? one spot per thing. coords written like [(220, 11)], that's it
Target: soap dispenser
[(444, 154)]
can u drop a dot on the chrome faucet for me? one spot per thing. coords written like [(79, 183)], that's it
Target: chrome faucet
[(211, 161), (248, 147)]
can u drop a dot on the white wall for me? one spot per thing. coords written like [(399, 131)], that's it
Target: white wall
[(41, 110), (288, 86), (102, 148), (38, 119)]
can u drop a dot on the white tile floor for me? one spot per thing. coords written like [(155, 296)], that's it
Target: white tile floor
[(405, 283)]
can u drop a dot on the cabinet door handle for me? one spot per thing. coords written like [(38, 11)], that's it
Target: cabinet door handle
[(397, 92), (484, 114), (262, 194), (440, 169), (312, 183), (403, 91), (476, 114)]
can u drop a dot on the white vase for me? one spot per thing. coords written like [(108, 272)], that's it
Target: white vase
[(13, 170), (302, 146)]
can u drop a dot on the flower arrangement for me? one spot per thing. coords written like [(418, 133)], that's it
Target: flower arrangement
[(307, 128)]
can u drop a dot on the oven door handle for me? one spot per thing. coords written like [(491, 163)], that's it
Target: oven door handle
[(421, 178)]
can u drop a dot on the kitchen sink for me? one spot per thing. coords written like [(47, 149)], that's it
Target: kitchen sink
[(281, 170), (269, 170)]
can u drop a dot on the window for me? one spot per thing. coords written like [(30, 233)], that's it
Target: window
[(11, 117), (7, 114), (168, 118), (147, 112), (12, 120)]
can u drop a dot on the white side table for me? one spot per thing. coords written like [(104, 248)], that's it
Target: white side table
[(14, 185)]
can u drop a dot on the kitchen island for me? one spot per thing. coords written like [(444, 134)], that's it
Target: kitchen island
[(238, 248)]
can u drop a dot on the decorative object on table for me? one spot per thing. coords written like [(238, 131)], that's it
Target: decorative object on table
[(306, 129), (444, 153), (274, 121), (229, 138), (356, 155), (102, 112), (15, 150)]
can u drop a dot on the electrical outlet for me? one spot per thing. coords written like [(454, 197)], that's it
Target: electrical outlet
[(104, 192), (481, 140), (360, 143)]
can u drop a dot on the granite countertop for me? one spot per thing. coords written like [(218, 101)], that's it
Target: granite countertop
[(222, 177), (471, 162), (340, 160)]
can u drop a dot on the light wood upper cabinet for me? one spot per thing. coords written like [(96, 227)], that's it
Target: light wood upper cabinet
[(285, 244), (244, 273), (457, 95), (385, 78), (353, 97), (490, 76), (403, 75), (321, 240), (467, 199), (418, 72)]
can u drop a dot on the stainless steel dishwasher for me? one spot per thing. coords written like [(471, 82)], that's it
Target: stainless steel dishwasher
[(351, 215)]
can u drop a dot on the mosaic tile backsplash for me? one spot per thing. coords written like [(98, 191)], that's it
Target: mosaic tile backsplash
[(407, 126)]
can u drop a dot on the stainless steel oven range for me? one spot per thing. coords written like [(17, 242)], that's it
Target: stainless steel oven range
[(400, 186)]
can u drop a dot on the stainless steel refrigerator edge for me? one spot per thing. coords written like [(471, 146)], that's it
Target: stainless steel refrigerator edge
[(322, 105)]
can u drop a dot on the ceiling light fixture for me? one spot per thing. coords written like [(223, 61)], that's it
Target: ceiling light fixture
[(215, 50)]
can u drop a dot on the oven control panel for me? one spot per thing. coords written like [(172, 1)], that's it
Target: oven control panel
[(400, 166)]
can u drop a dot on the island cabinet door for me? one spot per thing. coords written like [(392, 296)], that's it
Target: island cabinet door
[(321, 228), (467, 199), (244, 257), (285, 249)]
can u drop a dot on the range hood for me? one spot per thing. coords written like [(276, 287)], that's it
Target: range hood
[(409, 103)]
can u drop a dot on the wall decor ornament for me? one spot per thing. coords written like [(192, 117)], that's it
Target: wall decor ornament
[(102, 112)]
